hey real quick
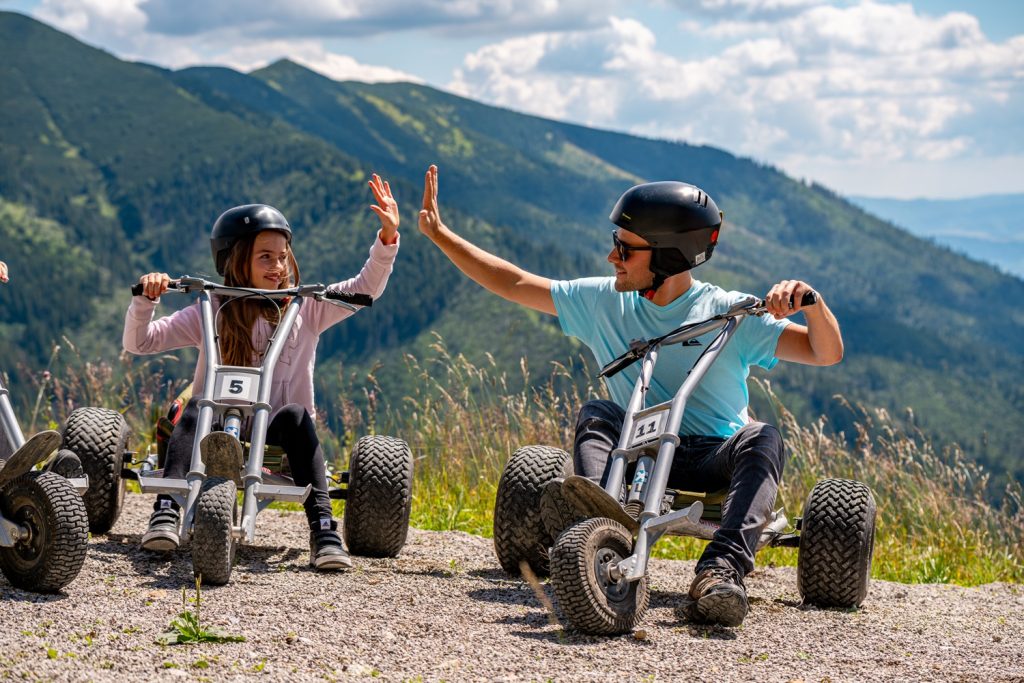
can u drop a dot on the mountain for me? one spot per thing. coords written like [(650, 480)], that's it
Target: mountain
[(109, 169), (988, 228)]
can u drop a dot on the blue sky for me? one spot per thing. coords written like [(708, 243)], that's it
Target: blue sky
[(876, 97)]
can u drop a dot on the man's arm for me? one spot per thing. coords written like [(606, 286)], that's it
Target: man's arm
[(820, 342), (497, 275)]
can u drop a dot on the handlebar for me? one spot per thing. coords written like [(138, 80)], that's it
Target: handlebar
[(639, 347), (187, 284)]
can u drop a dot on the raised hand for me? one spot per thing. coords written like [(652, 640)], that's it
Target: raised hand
[(430, 215), (3, 272), (386, 208)]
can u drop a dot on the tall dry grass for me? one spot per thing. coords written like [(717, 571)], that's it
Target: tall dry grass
[(463, 420)]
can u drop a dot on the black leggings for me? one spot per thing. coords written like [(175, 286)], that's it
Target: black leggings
[(749, 463), (292, 429)]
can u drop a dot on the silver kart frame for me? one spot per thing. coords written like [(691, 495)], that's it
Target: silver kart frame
[(650, 439), (231, 394)]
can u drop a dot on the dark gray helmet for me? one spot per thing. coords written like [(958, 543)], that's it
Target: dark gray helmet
[(679, 220), (242, 221)]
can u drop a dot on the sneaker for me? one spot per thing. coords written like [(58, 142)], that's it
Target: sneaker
[(326, 551), (162, 534), (716, 596)]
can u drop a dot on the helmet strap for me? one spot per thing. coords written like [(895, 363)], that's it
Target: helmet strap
[(649, 292)]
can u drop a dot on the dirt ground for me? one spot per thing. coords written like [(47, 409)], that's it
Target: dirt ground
[(444, 610)]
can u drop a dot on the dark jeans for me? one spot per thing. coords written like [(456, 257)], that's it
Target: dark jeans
[(292, 429), (749, 463)]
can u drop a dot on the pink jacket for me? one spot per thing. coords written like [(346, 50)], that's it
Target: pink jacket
[(293, 376)]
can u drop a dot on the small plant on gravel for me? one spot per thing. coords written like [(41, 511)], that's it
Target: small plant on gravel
[(187, 627)]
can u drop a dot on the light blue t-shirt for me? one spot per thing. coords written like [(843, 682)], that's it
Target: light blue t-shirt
[(605, 320)]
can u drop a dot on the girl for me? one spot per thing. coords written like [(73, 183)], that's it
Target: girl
[(251, 247)]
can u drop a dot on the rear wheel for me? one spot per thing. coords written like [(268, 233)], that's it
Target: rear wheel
[(379, 497), (213, 540), (99, 437), (837, 538), (589, 598), (52, 514), (519, 531)]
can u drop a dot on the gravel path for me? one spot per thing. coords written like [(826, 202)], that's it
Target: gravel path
[(445, 611)]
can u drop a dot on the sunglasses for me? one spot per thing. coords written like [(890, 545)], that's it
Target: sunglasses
[(623, 249)]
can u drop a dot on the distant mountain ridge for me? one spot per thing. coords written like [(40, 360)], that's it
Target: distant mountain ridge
[(989, 228), (109, 169)]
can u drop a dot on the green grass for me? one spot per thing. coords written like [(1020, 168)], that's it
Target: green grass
[(936, 522)]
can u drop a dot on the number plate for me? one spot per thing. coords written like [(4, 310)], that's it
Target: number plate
[(236, 387), (648, 428)]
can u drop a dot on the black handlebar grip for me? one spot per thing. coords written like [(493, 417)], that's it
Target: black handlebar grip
[(350, 298), (137, 288), (808, 299)]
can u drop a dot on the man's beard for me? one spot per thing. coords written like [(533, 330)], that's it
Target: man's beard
[(634, 284)]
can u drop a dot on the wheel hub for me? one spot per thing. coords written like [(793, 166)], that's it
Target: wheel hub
[(605, 566)]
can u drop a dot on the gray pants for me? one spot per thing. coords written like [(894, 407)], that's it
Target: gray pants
[(749, 463)]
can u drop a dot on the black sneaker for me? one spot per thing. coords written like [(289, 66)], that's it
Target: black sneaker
[(162, 534), (326, 551), (716, 596)]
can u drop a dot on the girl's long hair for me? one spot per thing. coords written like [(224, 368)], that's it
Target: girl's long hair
[(238, 318)]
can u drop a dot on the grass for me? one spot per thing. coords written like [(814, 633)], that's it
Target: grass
[(936, 522), (187, 627)]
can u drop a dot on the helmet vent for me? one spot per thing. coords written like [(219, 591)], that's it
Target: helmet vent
[(246, 219)]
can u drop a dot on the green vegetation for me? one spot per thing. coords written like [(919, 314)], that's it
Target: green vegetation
[(110, 169), (935, 521), (188, 627)]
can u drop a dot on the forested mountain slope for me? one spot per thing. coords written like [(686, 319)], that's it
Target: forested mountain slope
[(109, 169)]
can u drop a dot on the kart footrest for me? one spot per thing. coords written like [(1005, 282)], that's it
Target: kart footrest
[(292, 494), (80, 484), (156, 483)]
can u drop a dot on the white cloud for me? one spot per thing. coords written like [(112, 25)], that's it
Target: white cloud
[(122, 26), (311, 54), (864, 84), (322, 18)]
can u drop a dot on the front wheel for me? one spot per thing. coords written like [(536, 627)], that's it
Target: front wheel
[(56, 530), (213, 540), (837, 539), (99, 437), (379, 497), (589, 598)]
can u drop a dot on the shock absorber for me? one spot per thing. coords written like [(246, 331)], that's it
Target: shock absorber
[(233, 422)]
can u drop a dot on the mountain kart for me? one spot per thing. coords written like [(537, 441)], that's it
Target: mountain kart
[(598, 565), (378, 484), (47, 510)]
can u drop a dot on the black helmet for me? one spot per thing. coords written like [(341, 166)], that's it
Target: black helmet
[(241, 221), (679, 220)]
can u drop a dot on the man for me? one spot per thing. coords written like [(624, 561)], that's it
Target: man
[(664, 230)]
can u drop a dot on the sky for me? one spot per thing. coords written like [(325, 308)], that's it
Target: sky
[(868, 97)]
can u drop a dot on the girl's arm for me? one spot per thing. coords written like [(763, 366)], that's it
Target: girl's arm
[(143, 335), (375, 272), (371, 280)]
